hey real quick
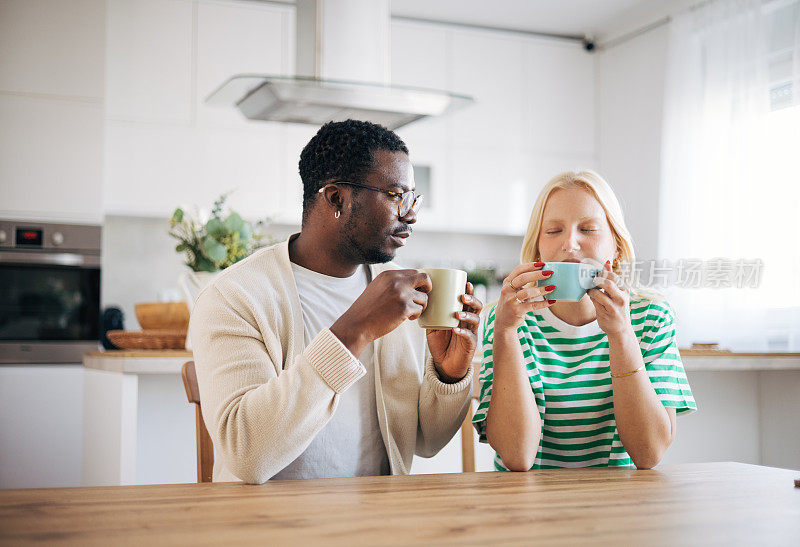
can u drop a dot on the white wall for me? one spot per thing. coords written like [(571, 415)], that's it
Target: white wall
[(629, 87)]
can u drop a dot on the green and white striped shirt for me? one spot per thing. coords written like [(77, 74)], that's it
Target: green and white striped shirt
[(569, 373)]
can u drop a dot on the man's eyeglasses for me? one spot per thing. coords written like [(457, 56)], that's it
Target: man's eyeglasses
[(408, 200)]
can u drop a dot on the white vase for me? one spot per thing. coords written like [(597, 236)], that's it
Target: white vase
[(192, 283)]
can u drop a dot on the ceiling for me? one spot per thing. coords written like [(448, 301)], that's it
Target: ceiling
[(603, 19)]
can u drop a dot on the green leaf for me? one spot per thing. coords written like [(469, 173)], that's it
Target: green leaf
[(204, 265), (177, 216), (181, 247), (234, 222), (245, 232), (215, 227), (214, 250)]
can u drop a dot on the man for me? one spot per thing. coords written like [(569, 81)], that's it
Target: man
[(308, 363)]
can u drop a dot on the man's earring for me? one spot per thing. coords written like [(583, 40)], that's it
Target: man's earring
[(336, 214)]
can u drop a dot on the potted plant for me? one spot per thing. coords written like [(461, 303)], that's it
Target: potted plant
[(213, 243)]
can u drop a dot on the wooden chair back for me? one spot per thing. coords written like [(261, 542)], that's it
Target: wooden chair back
[(468, 436), (468, 443), (205, 448)]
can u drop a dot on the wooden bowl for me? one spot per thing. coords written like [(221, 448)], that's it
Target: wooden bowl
[(148, 339), (163, 315)]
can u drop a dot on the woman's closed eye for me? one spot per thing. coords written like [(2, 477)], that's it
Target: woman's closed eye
[(558, 231)]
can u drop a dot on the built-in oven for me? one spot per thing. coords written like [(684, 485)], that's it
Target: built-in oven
[(49, 291)]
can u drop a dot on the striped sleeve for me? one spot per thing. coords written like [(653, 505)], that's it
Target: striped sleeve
[(662, 358), (485, 377)]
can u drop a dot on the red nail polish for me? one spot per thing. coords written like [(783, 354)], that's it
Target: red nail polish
[(551, 301), (608, 262), (538, 264), (550, 287), (547, 273)]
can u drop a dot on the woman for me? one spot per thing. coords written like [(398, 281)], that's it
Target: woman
[(574, 384)]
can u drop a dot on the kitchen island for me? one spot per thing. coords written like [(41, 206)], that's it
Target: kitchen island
[(138, 425)]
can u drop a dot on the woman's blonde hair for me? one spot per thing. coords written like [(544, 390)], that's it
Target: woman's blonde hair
[(593, 183)]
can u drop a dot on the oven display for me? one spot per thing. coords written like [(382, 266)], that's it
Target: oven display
[(29, 237)]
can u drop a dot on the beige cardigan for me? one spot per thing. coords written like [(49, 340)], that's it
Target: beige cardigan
[(264, 396)]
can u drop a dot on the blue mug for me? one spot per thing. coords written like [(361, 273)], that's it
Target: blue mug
[(572, 280)]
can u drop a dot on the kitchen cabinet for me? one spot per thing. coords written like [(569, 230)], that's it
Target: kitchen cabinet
[(51, 158), (234, 38), (419, 58), (149, 61), (51, 109), (489, 190), (558, 112), (52, 48), (533, 117), (138, 426), (41, 428), (290, 195), (153, 169), (488, 66), (169, 149)]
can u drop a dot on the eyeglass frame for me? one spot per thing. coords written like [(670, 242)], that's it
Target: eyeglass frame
[(415, 203)]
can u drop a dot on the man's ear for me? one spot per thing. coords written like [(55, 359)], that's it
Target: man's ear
[(332, 194)]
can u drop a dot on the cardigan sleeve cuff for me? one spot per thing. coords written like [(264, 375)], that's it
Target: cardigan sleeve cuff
[(333, 362), (441, 388)]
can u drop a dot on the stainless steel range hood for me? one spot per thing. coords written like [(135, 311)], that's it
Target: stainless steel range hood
[(343, 72)]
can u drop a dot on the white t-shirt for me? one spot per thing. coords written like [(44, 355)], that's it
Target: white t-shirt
[(350, 444)]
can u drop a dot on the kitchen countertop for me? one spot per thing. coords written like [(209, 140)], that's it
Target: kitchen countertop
[(170, 361), (143, 361)]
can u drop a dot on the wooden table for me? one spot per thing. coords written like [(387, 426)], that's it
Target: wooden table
[(717, 503)]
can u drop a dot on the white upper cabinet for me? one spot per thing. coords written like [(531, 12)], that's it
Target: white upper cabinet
[(149, 61), (419, 55), (488, 192), (164, 146), (419, 58), (533, 117), (154, 169), (559, 98), (51, 109), (53, 48), (488, 66), (239, 37), (533, 114), (289, 194), (51, 159)]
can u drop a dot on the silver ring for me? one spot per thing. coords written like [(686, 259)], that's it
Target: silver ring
[(519, 301)]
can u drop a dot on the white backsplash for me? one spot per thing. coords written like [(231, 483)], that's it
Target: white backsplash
[(140, 263)]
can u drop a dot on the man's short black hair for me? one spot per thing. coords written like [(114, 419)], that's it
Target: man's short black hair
[(342, 151)]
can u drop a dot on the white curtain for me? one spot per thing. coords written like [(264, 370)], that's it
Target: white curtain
[(730, 193)]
